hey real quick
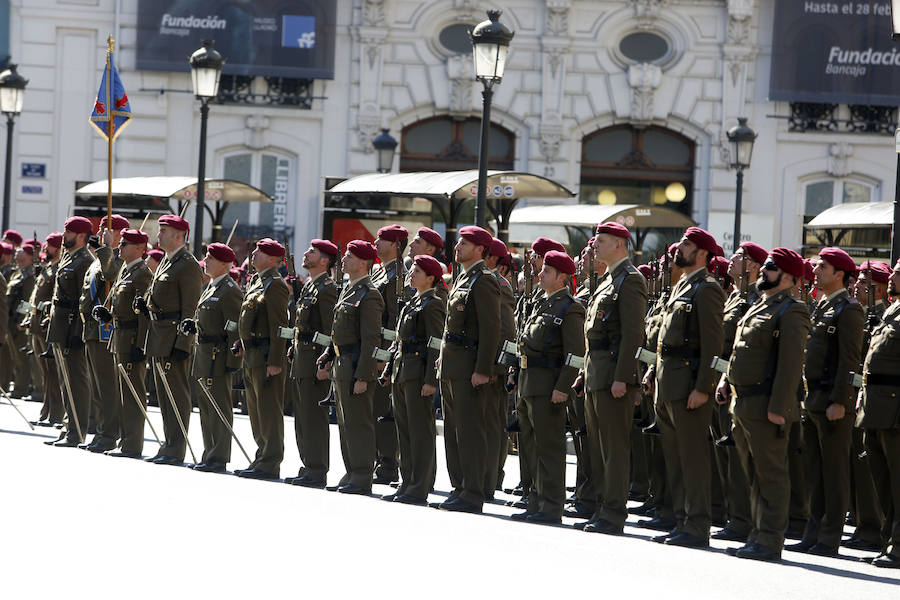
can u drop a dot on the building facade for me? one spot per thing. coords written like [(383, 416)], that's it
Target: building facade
[(623, 101)]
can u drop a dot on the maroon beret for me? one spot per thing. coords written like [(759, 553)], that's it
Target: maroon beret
[(7, 248), (221, 252), (616, 229), (156, 254), (362, 249), (54, 239), (838, 259), (13, 236), (646, 271), (78, 225), (477, 235), (498, 248), (431, 236), (718, 266), (27, 249), (393, 233), (560, 261), (175, 222), (326, 246), (788, 261), (134, 236), (32, 242), (808, 266), (754, 252), (543, 245), (703, 239), (235, 274), (430, 265), (118, 223), (881, 271), (719, 251), (270, 247)]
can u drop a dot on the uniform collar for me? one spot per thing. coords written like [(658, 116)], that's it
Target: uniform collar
[(473, 265)]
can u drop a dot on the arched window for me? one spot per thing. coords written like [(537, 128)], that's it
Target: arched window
[(445, 144), (821, 194), (629, 165)]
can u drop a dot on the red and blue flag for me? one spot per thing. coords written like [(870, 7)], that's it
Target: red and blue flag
[(112, 105)]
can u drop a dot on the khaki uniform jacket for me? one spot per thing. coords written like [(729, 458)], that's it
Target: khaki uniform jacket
[(763, 341), (263, 312), (554, 330), (385, 280), (356, 327), (65, 323), (171, 298), (690, 336), (471, 335), (218, 304), (41, 297), (105, 268), (507, 318), (420, 320), (614, 328), (653, 322), (735, 308), (833, 351), (880, 404), (18, 290), (129, 329), (7, 270), (314, 314)]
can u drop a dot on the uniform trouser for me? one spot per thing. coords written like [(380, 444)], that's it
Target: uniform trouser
[(585, 487), (216, 437), (547, 423), (685, 440), (21, 374), (799, 503), (734, 484), (503, 415), (609, 423), (104, 380), (177, 378), (8, 361), (417, 433), (132, 418), (52, 408), (827, 456), (640, 466), (265, 398), (311, 426), (465, 437), (386, 445), (883, 453), (763, 448), (34, 366), (76, 367), (494, 430), (660, 492), (864, 501), (356, 425), (525, 443)]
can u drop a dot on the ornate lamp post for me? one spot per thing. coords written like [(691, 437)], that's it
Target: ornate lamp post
[(12, 96), (385, 145), (741, 138)]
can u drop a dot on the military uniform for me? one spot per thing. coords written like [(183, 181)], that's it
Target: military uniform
[(18, 291), (690, 336), (315, 314), (263, 314), (498, 442), (660, 492), (129, 330), (6, 365), (764, 373), (102, 370), (171, 298), (355, 334), (525, 441), (41, 299), (613, 331), (65, 331), (469, 346), (585, 490), (413, 366), (218, 312), (879, 416), (552, 332), (386, 443), (832, 352)]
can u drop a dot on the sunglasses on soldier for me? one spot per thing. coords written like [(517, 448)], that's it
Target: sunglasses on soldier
[(770, 265)]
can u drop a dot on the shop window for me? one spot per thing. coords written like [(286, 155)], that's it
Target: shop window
[(445, 144), (823, 194)]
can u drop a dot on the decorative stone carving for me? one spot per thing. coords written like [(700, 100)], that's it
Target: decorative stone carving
[(839, 159), (368, 125), (551, 137), (373, 13), (643, 79), (555, 56), (255, 131), (459, 75), (740, 9), (647, 11), (371, 46), (558, 17), (467, 8)]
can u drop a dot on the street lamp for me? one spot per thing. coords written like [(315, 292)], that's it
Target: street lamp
[(741, 138), (490, 43), (12, 95), (895, 239), (206, 68), (385, 145)]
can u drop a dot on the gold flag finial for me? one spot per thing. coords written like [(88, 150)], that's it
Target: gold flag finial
[(110, 44)]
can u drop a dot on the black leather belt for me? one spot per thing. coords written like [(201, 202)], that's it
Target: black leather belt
[(881, 379), (679, 351), (164, 316), (256, 342), (305, 337), (815, 386), (347, 349), (63, 303), (211, 339), (542, 362), (125, 324), (598, 345), (759, 389), (461, 340)]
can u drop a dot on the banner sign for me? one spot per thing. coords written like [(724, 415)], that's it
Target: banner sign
[(280, 38), (837, 51)]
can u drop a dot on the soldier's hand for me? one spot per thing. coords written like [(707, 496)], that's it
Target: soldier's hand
[(360, 387), (723, 392), (107, 237), (618, 389), (696, 399), (648, 383), (272, 370), (45, 322), (188, 327), (140, 306), (321, 374), (479, 379), (835, 412), (237, 349), (775, 419), (290, 352), (101, 314), (578, 386), (558, 397), (428, 390)]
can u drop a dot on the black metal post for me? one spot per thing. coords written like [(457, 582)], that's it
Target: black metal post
[(201, 179), (737, 210), (10, 122), (895, 239), (486, 95)]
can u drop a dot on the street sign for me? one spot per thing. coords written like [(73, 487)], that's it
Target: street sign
[(34, 170), (32, 189)]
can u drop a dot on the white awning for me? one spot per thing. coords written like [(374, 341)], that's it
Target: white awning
[(452, 184), (633, 216), (854, 215), (176, 188)]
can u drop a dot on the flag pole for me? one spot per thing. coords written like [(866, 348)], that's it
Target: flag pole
[(110, 44)]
